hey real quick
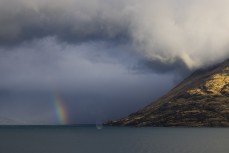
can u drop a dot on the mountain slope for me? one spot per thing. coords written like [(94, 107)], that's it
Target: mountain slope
[(200, 100)]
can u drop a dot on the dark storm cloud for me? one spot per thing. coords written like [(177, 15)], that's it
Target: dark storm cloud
[(96, 80), (98, 50), (165, 31), (72, 21), (149, 66), (48, 62)]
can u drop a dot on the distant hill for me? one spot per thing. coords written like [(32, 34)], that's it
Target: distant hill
[(201, 100), (7, 121)]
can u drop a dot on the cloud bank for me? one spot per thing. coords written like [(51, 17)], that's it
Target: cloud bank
[(166, 31)]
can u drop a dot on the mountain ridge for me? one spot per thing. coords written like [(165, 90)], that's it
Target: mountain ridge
[(200, 100)]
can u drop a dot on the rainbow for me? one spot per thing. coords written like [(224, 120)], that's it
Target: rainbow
[(61, 110)]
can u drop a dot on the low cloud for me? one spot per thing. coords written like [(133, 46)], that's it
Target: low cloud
[(97, 81)]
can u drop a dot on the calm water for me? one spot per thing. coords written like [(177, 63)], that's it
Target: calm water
[(113, 140)]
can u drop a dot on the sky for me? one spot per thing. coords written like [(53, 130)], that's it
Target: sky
[(81, 61)]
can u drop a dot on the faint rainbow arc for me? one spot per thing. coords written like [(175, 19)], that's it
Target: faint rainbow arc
[(61, 110)]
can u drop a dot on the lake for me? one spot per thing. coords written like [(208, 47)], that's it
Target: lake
[(70, 139)]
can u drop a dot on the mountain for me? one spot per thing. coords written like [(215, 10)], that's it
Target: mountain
[(201, 100)]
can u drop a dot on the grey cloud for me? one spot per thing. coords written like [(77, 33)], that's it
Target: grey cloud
[(95, 79), (49, 63), (164, 31), (189, 31), (74, 21)]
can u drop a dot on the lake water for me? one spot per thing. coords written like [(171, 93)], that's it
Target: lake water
[(44, 139)]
